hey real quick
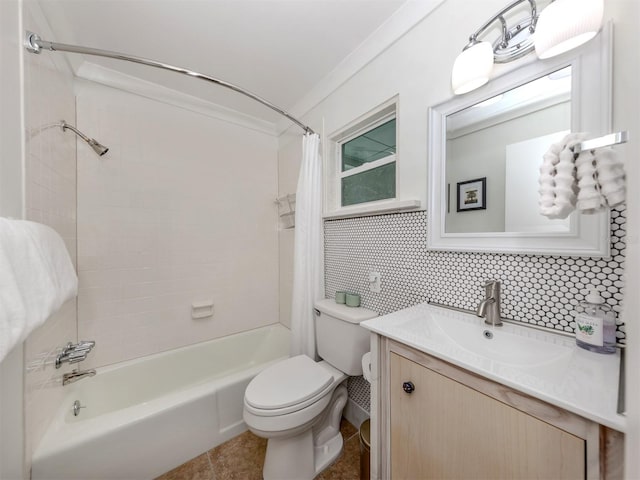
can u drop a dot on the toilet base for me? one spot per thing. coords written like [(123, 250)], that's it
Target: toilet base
[(305, 455), (297, 459), (326, 454)]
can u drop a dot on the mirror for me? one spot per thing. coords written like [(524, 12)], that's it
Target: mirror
[(493, 153), (486, 148)]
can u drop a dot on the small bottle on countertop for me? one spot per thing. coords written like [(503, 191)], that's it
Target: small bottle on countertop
[(595, 324)]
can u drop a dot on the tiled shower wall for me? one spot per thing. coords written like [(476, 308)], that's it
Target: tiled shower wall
[(171, 216), (50, 197), (542, 290)]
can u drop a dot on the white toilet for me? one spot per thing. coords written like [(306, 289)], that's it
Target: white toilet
[(297, 403)]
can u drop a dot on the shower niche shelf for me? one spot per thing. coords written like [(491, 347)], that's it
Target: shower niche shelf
[(287, 210)]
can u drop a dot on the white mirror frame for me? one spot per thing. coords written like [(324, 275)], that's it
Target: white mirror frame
[(590, 112)]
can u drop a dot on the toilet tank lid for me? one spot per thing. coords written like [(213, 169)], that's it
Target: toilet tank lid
[(328, 306)]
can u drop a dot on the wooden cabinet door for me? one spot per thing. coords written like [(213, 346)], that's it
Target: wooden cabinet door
[(446, 430)]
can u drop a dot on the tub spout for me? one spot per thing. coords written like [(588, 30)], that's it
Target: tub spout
[(76, 375)]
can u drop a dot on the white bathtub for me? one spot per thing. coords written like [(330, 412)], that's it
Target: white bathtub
[(146, 416)]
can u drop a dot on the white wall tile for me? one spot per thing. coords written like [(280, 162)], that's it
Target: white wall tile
[(181, 209), (50, 194), (540, 290)]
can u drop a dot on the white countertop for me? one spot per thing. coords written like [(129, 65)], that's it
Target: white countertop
[(542, 364)]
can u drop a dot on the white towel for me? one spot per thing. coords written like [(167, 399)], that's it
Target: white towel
[(593, 181), (601, 180), (611, 176), (36, 278), (558, 189), (590, 199)]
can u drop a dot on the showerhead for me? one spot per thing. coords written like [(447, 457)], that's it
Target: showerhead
[(95, 145), (98, 147)]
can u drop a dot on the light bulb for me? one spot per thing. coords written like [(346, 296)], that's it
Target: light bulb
[(472, 68), (567, 24)]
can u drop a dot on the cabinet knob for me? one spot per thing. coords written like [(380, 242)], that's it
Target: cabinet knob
[(408, 387)]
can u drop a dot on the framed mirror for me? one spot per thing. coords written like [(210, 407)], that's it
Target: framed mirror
[(486, 147)]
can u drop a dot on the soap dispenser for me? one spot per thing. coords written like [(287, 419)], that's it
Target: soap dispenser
[(595, 324)]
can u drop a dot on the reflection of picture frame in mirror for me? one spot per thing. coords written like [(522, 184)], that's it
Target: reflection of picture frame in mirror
[(472, 195)]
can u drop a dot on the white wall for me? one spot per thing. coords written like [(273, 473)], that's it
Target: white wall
[(11, 205), (11, 164), (180, 210), (418, 67), (626, 102)]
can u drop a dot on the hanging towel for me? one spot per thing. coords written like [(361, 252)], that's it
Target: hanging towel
[(591, 181), (36, 278), (558, 189), (611, 176), (590, 199), (601, 180)]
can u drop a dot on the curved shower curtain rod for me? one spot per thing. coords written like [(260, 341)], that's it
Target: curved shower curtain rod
[(34, 44)]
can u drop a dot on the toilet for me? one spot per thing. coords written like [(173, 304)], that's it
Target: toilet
[(297, 404)]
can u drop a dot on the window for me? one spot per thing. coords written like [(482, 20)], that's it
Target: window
[(367, 162), (361, 168), (368, 165)]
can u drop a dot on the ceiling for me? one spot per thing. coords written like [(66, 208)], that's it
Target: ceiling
[(277, 49)]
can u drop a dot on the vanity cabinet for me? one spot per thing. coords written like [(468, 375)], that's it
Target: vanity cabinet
[(440, 421)]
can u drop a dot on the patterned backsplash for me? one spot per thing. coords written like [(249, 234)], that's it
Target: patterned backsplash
[(541, 290)]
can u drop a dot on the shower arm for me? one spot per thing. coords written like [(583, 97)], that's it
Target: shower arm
[(92, 142), (64, 125), (34, 44)]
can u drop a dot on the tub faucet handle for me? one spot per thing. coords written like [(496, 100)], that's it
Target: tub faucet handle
[(77, 356), (74, 353), (84, 345)]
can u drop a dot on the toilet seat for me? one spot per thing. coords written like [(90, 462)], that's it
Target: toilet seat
[(287, 387)]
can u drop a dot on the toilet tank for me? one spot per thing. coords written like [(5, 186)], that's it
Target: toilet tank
[(340, 339)]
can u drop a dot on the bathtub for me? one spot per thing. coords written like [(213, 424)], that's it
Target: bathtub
[(146, 416)]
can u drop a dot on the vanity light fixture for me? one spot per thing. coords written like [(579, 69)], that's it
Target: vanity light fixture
[(567, 24), (563, 25), (472, 68)]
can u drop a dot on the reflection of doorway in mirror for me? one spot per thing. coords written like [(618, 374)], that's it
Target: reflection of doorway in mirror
[(522, 169)]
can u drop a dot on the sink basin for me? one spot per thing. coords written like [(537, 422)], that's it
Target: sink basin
[(540, 363), (507, 344)]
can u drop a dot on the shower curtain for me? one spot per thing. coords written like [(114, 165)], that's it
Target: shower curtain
[(308, 257)]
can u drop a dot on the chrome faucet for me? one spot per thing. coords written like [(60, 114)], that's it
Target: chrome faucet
[(74, 353), (76, 375), (489, 308)]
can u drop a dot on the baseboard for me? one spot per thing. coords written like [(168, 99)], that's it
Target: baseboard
[(354, 413)]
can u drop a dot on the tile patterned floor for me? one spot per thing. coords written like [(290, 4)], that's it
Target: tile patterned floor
[(241, 458)]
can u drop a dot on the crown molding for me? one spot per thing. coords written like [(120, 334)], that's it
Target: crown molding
[(403, 20), (128, 83)]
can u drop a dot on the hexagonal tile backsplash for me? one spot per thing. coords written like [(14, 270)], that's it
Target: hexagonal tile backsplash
[(541, 290)]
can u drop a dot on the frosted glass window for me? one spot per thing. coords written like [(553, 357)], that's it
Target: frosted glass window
[(368, 164), (375, 184), (369, 147)]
